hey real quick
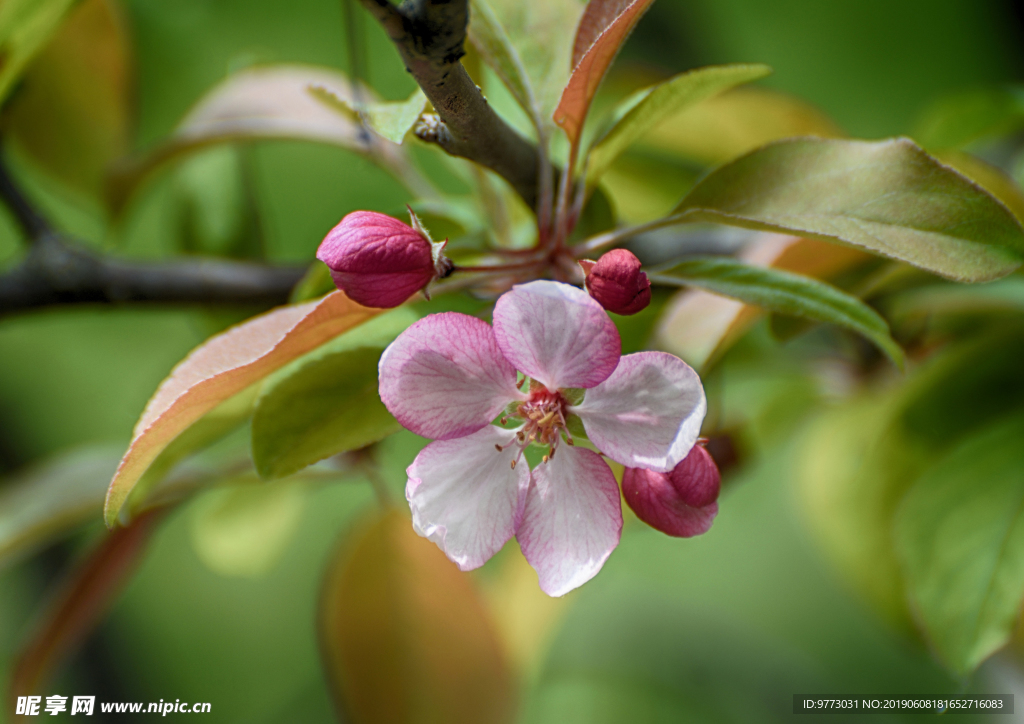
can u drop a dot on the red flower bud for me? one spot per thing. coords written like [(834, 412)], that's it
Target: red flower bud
[(380, 262), (682, 502), (616, 282)]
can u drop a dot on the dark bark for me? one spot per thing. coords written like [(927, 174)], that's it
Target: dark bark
[(60, 272), (429, 35)]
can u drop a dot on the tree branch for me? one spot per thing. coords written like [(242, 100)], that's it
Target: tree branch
[(59, 272), (429, 35)]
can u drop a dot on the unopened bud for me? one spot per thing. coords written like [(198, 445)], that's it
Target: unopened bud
[(380, 262), (682, 502), (616, 282)]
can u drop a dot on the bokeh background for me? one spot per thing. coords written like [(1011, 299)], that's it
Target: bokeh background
[(725, 627)]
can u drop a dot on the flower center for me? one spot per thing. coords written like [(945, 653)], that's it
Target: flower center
[(544, 420)]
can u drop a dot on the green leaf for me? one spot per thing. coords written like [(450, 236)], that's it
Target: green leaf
[(327, 402), (389, 119), (406, 637), (889, 197), (637, 115), (492, 42), (242, 529), (25, 26), (53, 498), (853, 467), (782, 292), (960, 536), (958, 119), (539, 32)]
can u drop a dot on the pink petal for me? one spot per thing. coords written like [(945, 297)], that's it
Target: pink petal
[(680, 503), (466, 497), (444, 377), (573, 519), (648, 413), (557, 334)]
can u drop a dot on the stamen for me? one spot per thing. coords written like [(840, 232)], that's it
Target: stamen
[(513, 464), (545, 459), (498, 447), (504, 420), (519, 384)]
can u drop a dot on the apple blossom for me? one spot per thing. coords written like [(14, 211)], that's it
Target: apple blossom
[(448, 376), (380, 262), (616, 282)]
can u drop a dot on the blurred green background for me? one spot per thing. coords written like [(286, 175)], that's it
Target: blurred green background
[(726, 627)]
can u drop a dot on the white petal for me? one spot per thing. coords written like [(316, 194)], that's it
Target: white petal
[(466, 497), (444, 377), (647, 414), (573, 519), (557, 334)]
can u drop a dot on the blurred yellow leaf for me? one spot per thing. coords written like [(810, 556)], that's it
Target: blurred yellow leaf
[(73, 112), (728, 125), (242, 529), (405, 636), (25, 26)]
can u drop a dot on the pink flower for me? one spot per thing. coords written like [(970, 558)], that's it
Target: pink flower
[(380, 262), (448, 376), (616, 282), (682, 502)]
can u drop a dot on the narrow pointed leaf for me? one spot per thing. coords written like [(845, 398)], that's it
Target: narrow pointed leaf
[(405, 636), (888, 197), (660, 102), (960, 536), (785, 293), (492, 42), (327, 402), (609, 32), (699, 326), (390, 119), (222, 367)]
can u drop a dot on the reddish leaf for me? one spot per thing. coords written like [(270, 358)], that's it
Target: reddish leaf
[(222, 367), (598, 15), (609, 32), (82, 600), (405, 636)]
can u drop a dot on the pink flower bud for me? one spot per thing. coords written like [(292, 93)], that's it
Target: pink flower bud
[(682, 502), (616, 282), (380, 262)]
